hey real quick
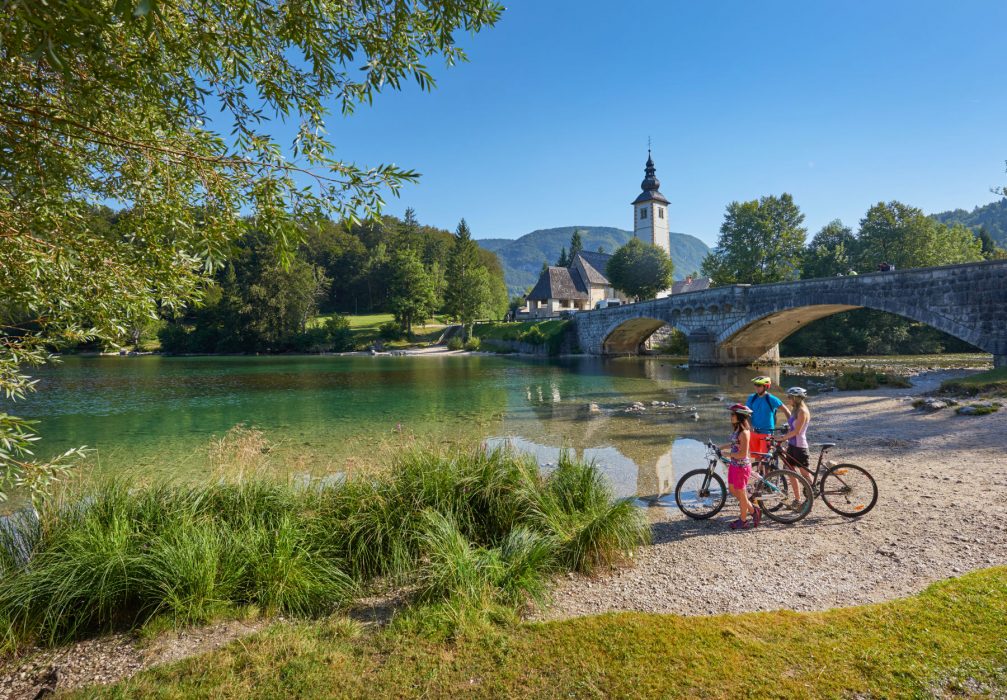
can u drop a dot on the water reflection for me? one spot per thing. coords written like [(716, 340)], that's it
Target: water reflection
[(160, 413)]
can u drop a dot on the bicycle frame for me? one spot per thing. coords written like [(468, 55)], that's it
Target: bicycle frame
[(778, 453), (716, 456)]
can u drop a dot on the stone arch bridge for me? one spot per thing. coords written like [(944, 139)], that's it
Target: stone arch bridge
[(744, 324)]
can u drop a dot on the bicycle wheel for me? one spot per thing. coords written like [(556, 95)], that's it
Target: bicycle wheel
[(849, 490), (778, 503), (700, 494), (775, 496)]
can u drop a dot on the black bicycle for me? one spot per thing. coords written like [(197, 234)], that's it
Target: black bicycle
[(701, 493), (847, 489)]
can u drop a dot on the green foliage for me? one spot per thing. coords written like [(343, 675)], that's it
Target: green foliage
[(576, 245), (339, 335), (991, 219), (456, 343), (833, 251), (853, 380), (470, 530), (677, 343), (111, 101), (390, 330), (473, 290), (472, 344), (903, 236), (549, 333), (977, 409), (257, 304), (413, 296), (112, 553), (761, 241), (640, 270), (533, 336), (563, 260), (869, 332)]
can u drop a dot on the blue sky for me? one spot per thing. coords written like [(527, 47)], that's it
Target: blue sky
[(842, 104)]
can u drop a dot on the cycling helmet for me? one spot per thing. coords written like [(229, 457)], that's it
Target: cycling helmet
[(763, 381), (797, 391), (741, 409)]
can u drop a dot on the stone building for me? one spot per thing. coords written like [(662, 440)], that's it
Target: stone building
[(576, 288)]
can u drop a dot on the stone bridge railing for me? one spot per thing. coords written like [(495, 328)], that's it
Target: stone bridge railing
[(743, 324)]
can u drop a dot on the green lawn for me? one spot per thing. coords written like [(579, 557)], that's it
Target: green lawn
[(366, 328), (951, 640)]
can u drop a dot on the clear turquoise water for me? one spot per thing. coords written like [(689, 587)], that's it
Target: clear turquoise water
[(159, 414)]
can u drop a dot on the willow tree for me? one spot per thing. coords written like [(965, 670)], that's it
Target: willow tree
[(164, 108)]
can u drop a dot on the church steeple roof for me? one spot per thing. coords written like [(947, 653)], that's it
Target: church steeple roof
[(651, 186)]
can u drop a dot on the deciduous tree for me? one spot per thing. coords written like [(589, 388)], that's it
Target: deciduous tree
[(760, 241), (161, 107), (833, 251), (904, 236), (412, 294), (640, 270)]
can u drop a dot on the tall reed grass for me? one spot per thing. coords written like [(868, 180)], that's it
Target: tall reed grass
[(466, 532)]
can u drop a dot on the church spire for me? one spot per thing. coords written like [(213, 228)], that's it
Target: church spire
[(650, 182)]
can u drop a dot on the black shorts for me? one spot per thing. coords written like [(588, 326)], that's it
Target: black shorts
[(798, 456)]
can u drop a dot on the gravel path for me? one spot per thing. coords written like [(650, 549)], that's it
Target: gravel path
[(942, 511)]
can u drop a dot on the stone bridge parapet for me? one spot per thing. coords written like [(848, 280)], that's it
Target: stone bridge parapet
[(743, 324)]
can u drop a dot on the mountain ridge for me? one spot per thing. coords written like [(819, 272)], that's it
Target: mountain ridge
[(522, 257), (992, 217)]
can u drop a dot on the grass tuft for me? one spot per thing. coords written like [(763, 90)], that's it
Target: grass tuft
[(475, 535)]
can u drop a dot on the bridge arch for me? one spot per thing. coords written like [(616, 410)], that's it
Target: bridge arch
[(627, 336), (757, 333)]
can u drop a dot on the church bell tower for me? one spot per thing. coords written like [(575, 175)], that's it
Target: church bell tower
[(650, 211)]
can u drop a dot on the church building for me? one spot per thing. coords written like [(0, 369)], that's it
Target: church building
[(583, 285)]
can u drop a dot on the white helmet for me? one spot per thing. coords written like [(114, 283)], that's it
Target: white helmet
[(797, 391)]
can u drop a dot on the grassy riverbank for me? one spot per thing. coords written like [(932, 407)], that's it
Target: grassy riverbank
[(473, 535), (986, 384), (946, 641)]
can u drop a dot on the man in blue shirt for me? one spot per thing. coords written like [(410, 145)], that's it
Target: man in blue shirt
[(764, 406)]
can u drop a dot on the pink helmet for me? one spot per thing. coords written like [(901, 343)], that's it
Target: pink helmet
[(741, 409)]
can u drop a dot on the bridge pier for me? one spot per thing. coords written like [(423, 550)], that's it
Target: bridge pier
[(705, 351)]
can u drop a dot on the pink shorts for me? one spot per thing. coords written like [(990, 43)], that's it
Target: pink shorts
[(738, 474)]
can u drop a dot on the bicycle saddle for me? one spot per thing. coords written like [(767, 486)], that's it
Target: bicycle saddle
[(826, 445)]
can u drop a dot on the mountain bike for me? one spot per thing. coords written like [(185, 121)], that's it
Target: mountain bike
[(847, 489), (701, 493)]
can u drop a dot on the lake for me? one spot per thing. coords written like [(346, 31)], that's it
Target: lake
[(157, 415)]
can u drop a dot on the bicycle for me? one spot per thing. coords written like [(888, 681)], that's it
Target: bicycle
[(847, 489), (701, 493)]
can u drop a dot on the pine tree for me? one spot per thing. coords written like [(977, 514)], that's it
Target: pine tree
[(464, 259), (576, 245), (563, 261)]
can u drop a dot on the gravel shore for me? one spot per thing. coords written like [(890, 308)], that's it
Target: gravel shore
[(942, 511)]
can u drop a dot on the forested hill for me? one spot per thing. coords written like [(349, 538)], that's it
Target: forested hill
[(992, 217), (522, 258)]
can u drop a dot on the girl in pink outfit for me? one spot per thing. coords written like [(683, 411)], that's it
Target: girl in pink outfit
[(740, 468)]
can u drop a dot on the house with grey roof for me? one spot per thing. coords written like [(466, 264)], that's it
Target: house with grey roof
[(578, 287)]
